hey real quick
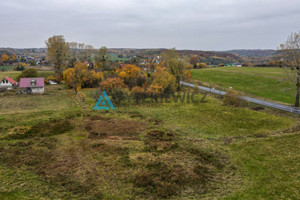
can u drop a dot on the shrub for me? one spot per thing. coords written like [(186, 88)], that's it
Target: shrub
[(28, 73), (112, 83), (202, 65), (118, 95), (19, 68), (51, 77), (21, 64), (95, 94), (155, 91), (131, 75), (3, 89), (92, 78), (190, 66), (32, 63), (138, 94), (187, 74), (232, 98)]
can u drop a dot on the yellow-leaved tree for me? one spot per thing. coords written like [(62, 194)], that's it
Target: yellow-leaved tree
[(129, 71), (131, 75), (166, 80), (74, 77), (92, 78), (4, 58)]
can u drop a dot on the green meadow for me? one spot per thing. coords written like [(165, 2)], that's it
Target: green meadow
[(54, 146), (267, 83), (15, 74)]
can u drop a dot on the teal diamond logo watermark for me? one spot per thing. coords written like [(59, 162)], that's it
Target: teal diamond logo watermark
[(104, 103)]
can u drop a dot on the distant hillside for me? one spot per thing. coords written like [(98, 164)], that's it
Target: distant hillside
[(208, 57), (253, 52)]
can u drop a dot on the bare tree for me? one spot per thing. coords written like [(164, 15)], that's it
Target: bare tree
[(290, 61)]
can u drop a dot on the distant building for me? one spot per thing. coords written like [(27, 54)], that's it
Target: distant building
[(52, 82), (233, 65), (8, 83), (32, 85), (237, 65)]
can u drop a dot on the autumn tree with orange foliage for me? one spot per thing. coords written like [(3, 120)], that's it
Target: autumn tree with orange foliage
[(138, 94), (202, 65), (111, 83), (12, 57), (80, 76), (164, 79), (187, 74), (74, 76), (155, 91), (194, 60), (129, 71), (92, 78), (4, 58), (131, 75)]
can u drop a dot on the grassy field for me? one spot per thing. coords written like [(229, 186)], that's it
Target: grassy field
[(54, 146), (6, 67), (14, 74), (269, 83)]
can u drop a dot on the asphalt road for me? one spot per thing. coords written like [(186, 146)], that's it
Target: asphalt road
[(250, 99)]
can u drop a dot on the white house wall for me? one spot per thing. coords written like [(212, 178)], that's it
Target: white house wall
[(6, 85), (37, 90)]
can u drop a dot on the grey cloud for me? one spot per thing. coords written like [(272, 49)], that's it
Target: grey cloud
[(185, 24)]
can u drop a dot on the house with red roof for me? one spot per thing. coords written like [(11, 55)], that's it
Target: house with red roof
[(32, 85), (8, 83)]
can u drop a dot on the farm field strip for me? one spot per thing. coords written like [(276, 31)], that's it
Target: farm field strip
[(250, 81)]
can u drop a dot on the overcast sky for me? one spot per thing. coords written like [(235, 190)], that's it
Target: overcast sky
[(184, 24)]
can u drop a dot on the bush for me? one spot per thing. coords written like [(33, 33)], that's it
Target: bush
[(81, 96), (202, 65), (28, 73), (232, 98), (138, 94), (131, 75), (155, 91), (92, 79), (118, 95), (19, 68), (187, 74), (3, 89), (51, 77), (32, 63), (95, 94), (112, 83)]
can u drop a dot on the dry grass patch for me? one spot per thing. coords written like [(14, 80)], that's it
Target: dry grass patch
[(119, 158), (100, 128)]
